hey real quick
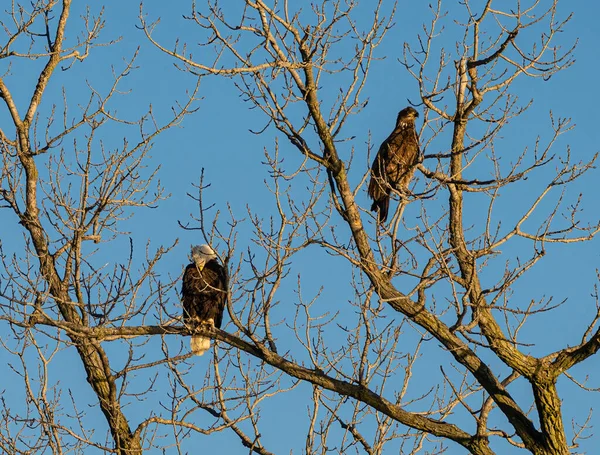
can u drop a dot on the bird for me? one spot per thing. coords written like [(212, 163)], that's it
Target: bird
[(394, 164), (203, 294)]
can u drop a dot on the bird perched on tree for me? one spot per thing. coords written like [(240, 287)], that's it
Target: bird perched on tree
[(394, 164), (204, 294)]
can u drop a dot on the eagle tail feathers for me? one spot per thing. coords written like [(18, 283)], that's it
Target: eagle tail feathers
[(381, 206), (199, 344)]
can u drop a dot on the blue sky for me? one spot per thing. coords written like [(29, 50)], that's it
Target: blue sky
[(217, 139)]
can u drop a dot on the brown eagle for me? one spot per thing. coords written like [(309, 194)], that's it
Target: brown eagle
[(394, 164), (204, 294)]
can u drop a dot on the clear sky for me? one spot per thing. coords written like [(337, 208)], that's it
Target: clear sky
[(217, 139)]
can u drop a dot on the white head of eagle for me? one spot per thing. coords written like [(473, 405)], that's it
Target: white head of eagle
[(203, 294), (201, 254)]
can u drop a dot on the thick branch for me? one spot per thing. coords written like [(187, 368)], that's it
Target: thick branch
[(314, 376)]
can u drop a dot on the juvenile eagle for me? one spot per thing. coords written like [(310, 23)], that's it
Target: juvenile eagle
[(204, 294), (393, 166)]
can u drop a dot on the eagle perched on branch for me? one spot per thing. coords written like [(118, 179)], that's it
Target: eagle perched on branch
[(204, 294), (394, 164)]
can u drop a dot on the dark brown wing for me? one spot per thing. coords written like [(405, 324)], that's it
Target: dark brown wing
[(393, 166), (204, 294), (403, 155), (377, 185), (379, 190)]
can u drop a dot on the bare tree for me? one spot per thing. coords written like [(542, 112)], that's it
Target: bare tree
[(282, 57), (69, 186), (425, 288)]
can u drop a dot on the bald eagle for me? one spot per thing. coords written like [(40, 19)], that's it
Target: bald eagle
[(204, 294), (393, 166)]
